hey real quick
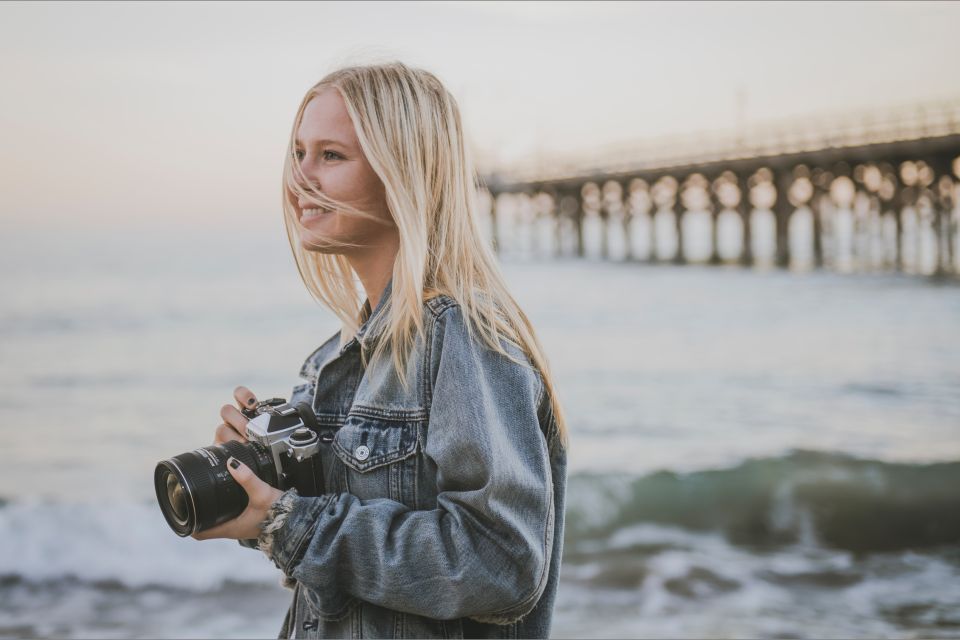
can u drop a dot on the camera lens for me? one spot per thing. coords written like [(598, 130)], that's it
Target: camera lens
[(176, 498), (195, 490)]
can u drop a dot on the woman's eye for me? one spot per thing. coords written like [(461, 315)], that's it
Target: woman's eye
[(333, 155)]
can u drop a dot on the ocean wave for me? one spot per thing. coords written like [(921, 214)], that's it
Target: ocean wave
[(69, 608), (816, 498), (124, 544), (616, 524)]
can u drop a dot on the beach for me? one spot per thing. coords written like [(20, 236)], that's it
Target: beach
[(754, 453)]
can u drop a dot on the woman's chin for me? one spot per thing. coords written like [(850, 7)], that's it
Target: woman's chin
[(311, 239), (316, 244)]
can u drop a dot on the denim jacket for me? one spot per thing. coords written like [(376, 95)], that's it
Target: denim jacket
[(445, 507)]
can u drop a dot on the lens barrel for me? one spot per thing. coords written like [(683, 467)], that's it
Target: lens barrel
[(195, 490)]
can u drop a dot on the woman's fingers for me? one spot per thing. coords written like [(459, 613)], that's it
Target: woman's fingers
[(244, 397), (234, 425), (232, 416), (226, 433), (260, 496)]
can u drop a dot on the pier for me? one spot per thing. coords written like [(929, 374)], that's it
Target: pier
[(868, 191)]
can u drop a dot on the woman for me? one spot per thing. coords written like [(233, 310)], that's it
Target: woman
[(446, 470)]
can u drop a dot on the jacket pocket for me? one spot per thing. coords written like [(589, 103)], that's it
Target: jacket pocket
[(377, 453)]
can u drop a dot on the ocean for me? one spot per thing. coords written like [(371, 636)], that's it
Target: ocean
[(754, 453)]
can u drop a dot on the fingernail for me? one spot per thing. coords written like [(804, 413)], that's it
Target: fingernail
[(233, 462)]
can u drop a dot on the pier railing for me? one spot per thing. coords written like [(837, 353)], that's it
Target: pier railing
[(893, 168), (786, 136)]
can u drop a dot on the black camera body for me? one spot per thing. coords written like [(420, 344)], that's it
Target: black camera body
[(195, 490)]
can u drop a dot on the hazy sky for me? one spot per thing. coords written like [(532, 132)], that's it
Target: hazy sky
[(166, 113)]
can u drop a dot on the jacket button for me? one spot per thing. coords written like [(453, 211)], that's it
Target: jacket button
[(362, 453)]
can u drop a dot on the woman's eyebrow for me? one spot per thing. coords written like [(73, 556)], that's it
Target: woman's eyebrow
[(316, 142)]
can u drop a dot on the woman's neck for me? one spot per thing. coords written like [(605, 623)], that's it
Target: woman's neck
[(375, 268)]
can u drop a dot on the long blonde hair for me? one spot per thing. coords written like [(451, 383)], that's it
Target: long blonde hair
[(409, 128)]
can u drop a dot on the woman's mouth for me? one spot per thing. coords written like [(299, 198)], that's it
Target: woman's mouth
[(313, 213)]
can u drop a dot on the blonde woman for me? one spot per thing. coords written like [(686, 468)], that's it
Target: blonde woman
[(446, 469)]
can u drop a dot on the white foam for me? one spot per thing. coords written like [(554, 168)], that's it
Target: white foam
[(125, 542)]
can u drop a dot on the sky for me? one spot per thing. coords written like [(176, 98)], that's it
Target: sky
[(178, 113)]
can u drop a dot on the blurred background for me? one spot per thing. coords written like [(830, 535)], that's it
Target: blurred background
[(735, 226)]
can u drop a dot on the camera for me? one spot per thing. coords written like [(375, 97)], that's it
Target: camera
[(195, 490)]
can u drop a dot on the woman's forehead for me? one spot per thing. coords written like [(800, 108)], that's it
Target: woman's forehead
[(325, 120)]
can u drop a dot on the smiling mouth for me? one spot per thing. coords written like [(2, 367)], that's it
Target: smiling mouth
[(314, 213)]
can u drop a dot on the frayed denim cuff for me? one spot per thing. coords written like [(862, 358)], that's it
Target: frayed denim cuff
[(274, 521), (288, 527)]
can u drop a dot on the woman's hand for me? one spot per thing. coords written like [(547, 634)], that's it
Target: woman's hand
[(247, 524), (259, 493), (234, 426)]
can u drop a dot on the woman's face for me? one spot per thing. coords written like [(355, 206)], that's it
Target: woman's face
[(331, 159)]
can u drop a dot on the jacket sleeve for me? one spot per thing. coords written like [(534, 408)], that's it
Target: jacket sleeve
[(484, 551)]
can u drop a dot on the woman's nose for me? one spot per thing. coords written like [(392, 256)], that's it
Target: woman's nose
[(303, 177)]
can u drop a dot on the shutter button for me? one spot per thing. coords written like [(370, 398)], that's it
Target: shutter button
[(362, 453)]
